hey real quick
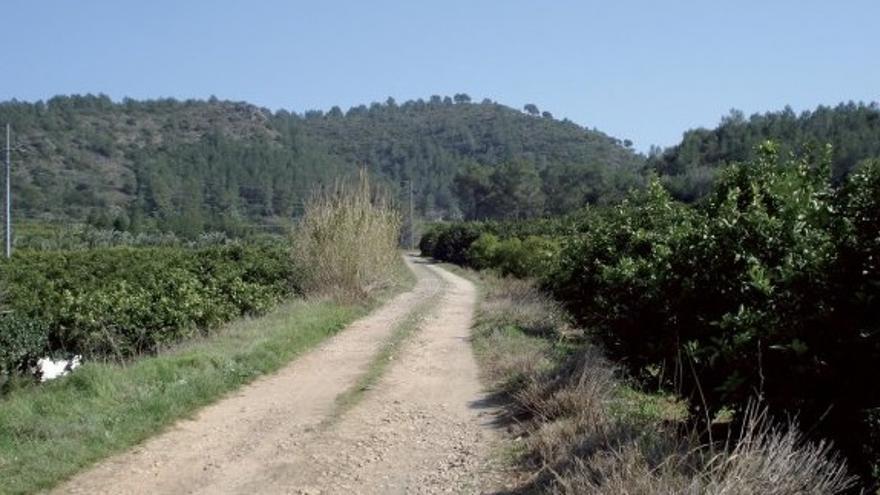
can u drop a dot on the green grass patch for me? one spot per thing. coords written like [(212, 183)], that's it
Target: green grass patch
[(634, 404), (51, 431)]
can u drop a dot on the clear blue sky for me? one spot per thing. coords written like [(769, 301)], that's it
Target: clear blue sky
[(643, 70)]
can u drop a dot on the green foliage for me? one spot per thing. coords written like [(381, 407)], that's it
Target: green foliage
[(454, 241), (769, 287), (858, 236), (428, 241), (482, 253), (190, 166), (521, 248), (690, 168), (119, 302), (522, 258), (22, 342)]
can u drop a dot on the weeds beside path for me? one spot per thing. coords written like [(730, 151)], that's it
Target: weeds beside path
[(49, 432), (581, 428)]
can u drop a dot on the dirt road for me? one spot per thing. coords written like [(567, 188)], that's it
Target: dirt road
[(421, 429)]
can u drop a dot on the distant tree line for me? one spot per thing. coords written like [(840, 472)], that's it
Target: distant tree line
[(690, 168), (190, 166)]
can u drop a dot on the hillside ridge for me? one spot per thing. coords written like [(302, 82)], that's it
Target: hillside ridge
[(185, 166)]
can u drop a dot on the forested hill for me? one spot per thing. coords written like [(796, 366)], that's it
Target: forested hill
[(188, 166), (690, 168), (484, 160)]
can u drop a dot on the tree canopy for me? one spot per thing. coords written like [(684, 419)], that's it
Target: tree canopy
[(689, 168), (187, 166)]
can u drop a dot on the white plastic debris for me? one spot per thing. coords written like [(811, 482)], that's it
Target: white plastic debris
[(50, 369)]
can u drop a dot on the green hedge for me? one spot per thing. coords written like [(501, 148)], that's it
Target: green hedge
[(525, 248), (770, 287), (119, 302), (531, 257), (22, 340)]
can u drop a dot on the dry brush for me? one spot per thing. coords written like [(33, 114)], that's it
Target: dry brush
[(345, 245)]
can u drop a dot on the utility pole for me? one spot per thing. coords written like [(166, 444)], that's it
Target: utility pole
[(412, 225), (8, 196)]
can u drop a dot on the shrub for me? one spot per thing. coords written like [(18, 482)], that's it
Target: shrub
[(22, 342), (483, 252), (527, 250), (346, 243), (428, 241), (119, 302), (769, 287), (529, 258), (454, 241)]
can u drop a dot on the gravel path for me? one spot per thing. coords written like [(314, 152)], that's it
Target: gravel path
[(421, 429)]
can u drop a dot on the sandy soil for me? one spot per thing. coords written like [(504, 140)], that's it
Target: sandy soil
[(424, 427)]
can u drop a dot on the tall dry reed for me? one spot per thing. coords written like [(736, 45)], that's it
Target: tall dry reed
[(345, 245)]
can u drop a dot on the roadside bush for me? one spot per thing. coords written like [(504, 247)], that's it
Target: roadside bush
[(529, 258), (428, 241), (524, 249), (22, 342), (482, 253), (852, 322), (346, 244), (768, 288), (532, 257), (454, 241)]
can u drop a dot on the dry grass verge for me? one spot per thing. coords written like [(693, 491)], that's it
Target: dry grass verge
[(582, 429)]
